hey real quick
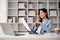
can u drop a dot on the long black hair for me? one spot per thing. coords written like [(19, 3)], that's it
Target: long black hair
[(45, 11)]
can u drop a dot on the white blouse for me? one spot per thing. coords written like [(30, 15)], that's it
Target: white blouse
[(38, 30)]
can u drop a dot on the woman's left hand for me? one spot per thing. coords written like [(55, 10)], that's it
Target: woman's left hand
[(37, 23)]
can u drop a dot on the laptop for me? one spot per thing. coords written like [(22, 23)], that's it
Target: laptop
[(7, 29)]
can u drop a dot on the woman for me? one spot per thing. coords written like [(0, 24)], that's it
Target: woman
[(43, 25)]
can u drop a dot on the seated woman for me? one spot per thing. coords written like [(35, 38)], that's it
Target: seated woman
[(43, 24)]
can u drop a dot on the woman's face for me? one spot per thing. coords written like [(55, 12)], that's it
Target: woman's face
[(42, 14)]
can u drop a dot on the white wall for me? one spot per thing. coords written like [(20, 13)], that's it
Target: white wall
[(3, 11)]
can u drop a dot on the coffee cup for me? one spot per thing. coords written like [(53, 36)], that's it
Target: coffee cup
[(57, 30)]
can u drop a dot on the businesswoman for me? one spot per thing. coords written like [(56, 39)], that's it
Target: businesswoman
[(43, 24)]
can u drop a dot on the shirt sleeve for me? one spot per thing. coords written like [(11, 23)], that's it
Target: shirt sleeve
[(49, 27)]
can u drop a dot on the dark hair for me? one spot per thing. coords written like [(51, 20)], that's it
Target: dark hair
[(45, 11)]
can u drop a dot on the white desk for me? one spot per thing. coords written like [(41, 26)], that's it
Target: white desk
[(47, 36), (30, 37)]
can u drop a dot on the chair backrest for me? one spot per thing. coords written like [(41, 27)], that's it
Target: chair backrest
[(7, 29)]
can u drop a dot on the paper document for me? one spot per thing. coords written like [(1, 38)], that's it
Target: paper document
[(25, 24)]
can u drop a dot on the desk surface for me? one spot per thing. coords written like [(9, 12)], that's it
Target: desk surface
[(46, 35)]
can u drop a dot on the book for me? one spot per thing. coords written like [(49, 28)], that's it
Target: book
[(30, 6), (31, 13), (40, 5), (59, 4), (30, 20), (52, 6), (9, 20), (21, 5), (25, 24), (13, 19), (53, 13), (22, 13), (20, 19)]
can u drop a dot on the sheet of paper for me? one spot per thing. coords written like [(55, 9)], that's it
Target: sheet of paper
[(25, 24)]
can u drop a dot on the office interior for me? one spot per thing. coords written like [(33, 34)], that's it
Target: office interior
[(12, 10)]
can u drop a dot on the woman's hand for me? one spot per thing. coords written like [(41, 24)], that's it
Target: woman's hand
[(37, 23)]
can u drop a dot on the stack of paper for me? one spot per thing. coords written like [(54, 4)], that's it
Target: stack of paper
[(13, 19), (20, 19), (22, 13), (21, 5), (30, 6), (10, 20), (25, 24), (52, 6), (31, 13), (30, 20), (53, 13), (40, 6)]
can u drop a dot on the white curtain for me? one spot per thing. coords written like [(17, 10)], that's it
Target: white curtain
[(3, 11)]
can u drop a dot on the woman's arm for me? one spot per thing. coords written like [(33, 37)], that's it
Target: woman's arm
[(35, 27), (37, 23), (33, 30), (47, 28)]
